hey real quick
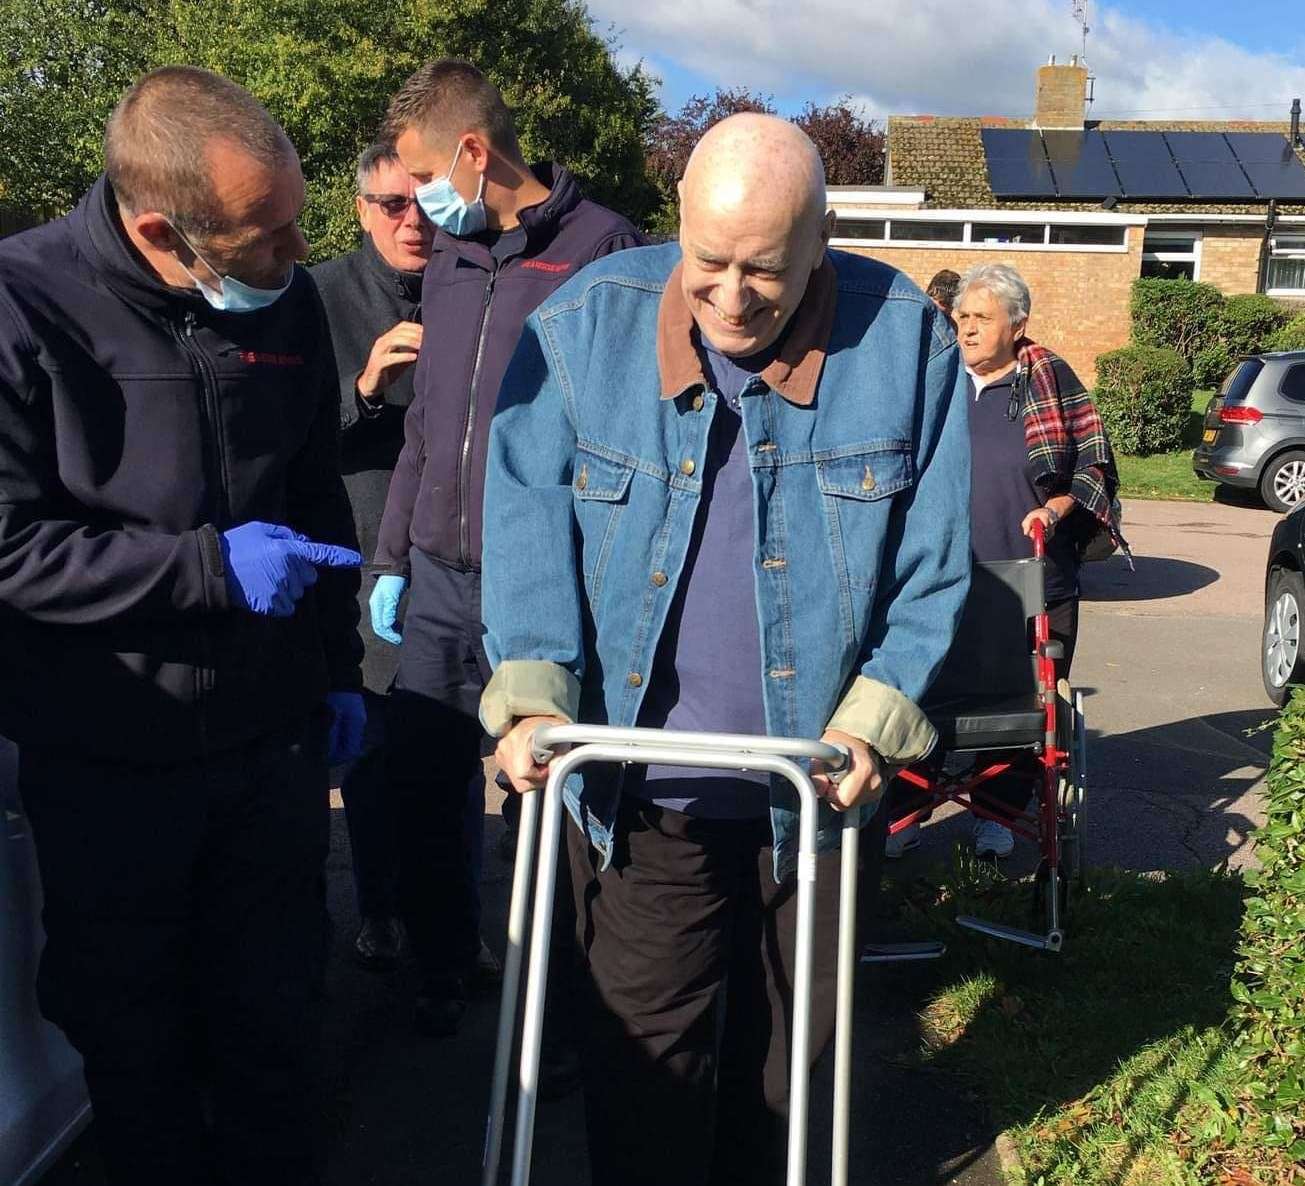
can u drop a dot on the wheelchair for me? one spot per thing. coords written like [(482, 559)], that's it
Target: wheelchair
[(995, 701)]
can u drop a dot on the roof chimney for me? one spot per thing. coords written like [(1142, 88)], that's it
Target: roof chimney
[(1062, 92)]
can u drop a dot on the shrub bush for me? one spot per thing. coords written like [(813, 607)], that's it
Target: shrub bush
[(1248, 322), (1144, 394), (1211, 365), (1180, 314), (1291, 336), (1269, 982)]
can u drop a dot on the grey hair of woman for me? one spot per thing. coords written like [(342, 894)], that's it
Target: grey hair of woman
[(1005, 283)]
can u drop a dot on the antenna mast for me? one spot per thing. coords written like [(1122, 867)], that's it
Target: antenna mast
[(1080, 10)]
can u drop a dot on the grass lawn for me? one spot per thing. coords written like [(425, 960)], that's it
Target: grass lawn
[(1169, 475), (1105, 1063)]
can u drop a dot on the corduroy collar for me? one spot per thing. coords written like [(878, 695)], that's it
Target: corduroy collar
[(794, 373)]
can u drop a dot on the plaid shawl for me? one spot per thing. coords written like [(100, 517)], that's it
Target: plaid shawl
[(1065, 437)]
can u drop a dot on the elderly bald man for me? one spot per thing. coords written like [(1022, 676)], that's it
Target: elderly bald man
[(728, 490)]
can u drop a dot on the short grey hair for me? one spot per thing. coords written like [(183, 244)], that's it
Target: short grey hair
[(1005, 283), (155, 141), (372, 158)]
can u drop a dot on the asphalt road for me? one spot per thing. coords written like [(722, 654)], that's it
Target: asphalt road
[(1169, 657)]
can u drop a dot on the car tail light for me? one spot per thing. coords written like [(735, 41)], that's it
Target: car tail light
[(1240, 414), (1226, 471)]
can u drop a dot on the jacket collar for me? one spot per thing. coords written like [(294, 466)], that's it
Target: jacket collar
[(794, 373), (540, 222), (406, 284)]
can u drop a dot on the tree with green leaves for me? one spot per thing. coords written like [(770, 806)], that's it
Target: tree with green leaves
[(325, 69)]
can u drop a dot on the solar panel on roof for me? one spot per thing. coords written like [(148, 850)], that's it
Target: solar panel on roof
[(1145, 165), (1080, 164), (1208, 165), (1017, 163), (1268, 160)]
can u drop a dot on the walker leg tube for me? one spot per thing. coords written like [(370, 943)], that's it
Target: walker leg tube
[(537, 981), (846, 983), (518, 911), (800, 1053)]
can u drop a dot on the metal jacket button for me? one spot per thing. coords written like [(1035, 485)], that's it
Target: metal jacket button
[(635, 679), (583, 480), (659, 578), (868, 482), (687, 467), (698, 402)]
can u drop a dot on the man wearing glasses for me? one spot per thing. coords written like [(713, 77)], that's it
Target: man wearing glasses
[(373, 305)]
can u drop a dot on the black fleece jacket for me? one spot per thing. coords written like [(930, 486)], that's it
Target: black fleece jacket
[(137, 424)]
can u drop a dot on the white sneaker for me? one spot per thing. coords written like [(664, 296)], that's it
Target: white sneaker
[(901, 843), (991, 839)]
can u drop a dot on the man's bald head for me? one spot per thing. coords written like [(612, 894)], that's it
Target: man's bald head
[(753, 228), (754, 157)]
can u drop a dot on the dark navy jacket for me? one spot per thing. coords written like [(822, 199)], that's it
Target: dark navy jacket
[(473, 309), (136, 424)]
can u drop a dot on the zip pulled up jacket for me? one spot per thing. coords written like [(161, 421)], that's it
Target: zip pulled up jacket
[(137, 424), (473, 309)]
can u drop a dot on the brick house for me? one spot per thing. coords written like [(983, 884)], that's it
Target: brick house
[(1080, 254)]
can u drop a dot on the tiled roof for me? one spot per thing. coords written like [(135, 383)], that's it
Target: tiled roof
[(943, 155)]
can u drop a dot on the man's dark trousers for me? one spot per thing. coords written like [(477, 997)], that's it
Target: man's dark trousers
[(186, 925), (687, 942), (433, 754)]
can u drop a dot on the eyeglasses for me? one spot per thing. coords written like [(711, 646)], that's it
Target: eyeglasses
[(394, 205)]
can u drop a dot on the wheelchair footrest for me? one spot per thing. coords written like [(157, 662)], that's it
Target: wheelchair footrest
[(1049, 942), (888, 953)]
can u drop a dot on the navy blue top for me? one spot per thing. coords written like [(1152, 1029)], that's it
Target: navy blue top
[(1003, 491), (707, 674)]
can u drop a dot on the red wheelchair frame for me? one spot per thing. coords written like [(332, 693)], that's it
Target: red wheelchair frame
[(1056, 824)]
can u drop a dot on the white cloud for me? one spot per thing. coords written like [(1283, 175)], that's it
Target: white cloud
[(954, 57)]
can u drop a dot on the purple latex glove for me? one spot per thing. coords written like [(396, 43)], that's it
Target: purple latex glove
[(269, 566)]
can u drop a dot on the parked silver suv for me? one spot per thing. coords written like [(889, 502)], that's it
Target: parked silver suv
[(1254, 429)]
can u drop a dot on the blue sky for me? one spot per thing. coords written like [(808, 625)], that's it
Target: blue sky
[(1152, 58)]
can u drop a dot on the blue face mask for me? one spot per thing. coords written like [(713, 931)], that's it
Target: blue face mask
[(235, 296), (447, 208)]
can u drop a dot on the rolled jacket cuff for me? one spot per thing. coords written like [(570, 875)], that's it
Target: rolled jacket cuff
[(891, 724), (528, 688)]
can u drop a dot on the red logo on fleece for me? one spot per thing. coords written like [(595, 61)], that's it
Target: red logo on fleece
[(538, 265), (271, 360)]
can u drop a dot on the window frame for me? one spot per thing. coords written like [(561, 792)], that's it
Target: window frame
[(1292, 253), (1173, 235), (968, 220)]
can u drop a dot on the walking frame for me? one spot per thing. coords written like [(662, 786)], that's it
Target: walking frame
[(722, 751)]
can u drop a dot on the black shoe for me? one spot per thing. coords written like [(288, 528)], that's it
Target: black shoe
[(379, 943), (439, 1009), (487, 971)]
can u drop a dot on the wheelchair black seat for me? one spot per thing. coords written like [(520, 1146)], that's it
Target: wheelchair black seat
[(986, 695)]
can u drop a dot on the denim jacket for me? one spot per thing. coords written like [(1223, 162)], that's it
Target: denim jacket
[(859, 448)]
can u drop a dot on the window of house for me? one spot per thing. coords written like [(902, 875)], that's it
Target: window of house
[(1089, 236), (859, 228), (902, 229), (1286, 264), (1172, 255), (1008, 232)]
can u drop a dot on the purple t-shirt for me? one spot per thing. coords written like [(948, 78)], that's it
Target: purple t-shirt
[(707, 673)]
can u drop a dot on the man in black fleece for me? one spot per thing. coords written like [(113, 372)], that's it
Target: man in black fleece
[(178, 626), (372, 298)]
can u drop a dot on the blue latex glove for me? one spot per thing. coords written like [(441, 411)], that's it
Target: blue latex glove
[(348, 720), (269, 566), (384, 604)]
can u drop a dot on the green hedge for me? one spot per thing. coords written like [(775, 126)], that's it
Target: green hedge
[(1248, 323), (1269, 982), (1144, 394), (1211, 365), (1179, 314), (1291, 336)]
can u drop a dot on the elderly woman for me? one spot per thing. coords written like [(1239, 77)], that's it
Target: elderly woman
[(1040, 455)]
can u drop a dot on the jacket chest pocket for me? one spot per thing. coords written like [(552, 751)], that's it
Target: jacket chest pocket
[(600, 486), (856, 490)]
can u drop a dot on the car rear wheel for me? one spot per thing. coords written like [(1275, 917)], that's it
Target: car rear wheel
[(1283, 483), (1280, 649)]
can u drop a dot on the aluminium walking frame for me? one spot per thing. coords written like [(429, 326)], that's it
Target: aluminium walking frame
[(723, 751)]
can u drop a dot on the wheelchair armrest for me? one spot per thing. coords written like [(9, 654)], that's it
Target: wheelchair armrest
[(1053, 650)]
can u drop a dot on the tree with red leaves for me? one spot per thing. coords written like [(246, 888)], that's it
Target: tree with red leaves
[(851, 146)]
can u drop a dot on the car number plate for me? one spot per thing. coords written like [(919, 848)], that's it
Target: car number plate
[(1207, 437)]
